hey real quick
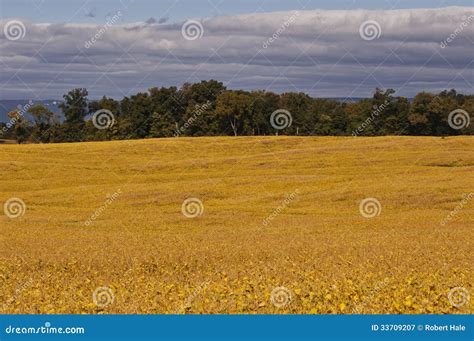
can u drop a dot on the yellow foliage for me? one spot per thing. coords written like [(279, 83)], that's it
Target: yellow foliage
[(278, 212)]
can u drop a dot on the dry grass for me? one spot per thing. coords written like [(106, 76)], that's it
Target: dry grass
[(228, 260)]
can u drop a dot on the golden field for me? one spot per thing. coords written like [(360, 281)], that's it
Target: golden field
[(277, 212)]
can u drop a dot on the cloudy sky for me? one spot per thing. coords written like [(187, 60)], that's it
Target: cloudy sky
[(338, 48)]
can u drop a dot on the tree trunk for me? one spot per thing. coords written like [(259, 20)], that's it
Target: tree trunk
[(234, 127)]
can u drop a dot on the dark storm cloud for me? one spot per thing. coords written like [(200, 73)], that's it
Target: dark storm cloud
[(320, 52)]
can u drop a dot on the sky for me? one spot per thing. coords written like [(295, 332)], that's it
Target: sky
[(338, 48), (175, 10)]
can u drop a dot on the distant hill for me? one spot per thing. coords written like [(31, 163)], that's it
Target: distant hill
[(8, 105)]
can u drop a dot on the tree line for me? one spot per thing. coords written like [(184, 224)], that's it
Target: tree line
[(208, 108)]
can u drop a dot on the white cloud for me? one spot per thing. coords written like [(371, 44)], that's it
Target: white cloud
[(320, 52)]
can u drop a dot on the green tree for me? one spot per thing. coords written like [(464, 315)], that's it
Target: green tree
[(200, 102), (420, 116), (91, 132), (75, 109), (44, 119), (136, 116), (327, 117), (233, 109), (19, 125), (168, 106), (299, 106), (264, 104)]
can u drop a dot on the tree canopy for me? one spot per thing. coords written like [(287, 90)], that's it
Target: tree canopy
[(209, 109)]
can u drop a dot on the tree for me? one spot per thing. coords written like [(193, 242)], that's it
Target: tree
[(21, 127), (110, 132), (299, 105), (264, 104), (203, 92), (326, 117), (467, 104), (419, 116), (136, 116), (339, 122), (233, 108), (44, 119), (200, 108), (75, 109), (168, 106), (207, 108)]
